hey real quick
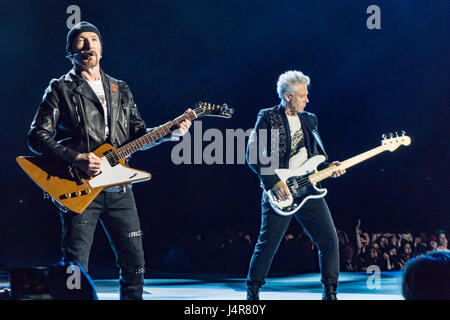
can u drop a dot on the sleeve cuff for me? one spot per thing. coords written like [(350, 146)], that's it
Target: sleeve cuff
[(269, 181), (70, 155)]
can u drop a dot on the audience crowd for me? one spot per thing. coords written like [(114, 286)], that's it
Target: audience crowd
[(229, 251)]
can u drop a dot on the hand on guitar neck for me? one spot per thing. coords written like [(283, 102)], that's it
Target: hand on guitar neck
[(182, 128), (337, 172)]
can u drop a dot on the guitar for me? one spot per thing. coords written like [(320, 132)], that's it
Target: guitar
[(301, 181), (70, 188)]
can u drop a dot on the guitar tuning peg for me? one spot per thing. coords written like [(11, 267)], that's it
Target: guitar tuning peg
[(384, 136), (396, 134), (391, 135), (402, 133)]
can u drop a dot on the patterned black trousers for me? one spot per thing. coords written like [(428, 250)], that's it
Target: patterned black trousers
[(119, 218)]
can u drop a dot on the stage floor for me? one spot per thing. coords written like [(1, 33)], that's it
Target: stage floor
[(352, 286)]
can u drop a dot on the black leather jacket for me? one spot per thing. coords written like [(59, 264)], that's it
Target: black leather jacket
[(70, 118)]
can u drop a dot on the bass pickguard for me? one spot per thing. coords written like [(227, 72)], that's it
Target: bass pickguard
[(299, 185), (301, 193)]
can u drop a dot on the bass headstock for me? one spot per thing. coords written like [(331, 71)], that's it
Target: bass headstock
[(391, 142)]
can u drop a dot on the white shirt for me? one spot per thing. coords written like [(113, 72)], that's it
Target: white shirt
[(97, 86), (295, 128)]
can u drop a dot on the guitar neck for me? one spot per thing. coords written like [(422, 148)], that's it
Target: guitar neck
[(328, 172), (152, 136)]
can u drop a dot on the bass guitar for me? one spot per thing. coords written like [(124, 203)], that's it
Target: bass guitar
[(302, 179)]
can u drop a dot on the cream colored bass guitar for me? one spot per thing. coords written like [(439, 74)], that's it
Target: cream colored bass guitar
[(302, 180)]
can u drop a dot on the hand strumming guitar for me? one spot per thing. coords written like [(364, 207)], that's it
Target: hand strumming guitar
[(281, 190), (89, 163)]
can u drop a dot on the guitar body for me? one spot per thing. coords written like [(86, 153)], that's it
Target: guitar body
[(302, 180), (72, 189), (69, 189), (299, 185)]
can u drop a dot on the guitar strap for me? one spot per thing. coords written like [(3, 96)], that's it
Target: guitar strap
[(319, 142), (113, 104), (316, 137)]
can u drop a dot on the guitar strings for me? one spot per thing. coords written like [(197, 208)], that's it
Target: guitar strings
[(115, 155), (302, 182)]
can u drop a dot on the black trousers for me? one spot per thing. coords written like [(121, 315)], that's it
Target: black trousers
[(316, 219), (118, 215)]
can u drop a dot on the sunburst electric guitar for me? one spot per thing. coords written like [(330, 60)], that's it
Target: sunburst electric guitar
[(70, 188), (302, 180)]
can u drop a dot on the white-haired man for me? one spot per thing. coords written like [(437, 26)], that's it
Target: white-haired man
[(298, 140)]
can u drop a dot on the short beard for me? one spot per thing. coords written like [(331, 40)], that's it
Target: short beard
[(93, 63), (86, 63)]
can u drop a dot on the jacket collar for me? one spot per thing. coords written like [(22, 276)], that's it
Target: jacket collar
[(306, 126), (110, 86), (81, 85)]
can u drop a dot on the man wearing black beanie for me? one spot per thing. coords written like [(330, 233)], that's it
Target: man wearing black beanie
[(79, 112), (79, 28)]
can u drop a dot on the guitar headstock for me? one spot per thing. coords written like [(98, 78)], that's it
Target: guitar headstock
[(213, 110), (393, 142)]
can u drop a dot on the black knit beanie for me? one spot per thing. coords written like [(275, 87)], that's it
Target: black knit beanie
[(80, 27)]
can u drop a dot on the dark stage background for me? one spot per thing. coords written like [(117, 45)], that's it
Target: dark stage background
[(175, 53)]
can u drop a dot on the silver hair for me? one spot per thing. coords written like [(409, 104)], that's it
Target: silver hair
[(287, 82)]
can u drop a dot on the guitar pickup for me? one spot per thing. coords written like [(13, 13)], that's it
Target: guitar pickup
[(113, 160)]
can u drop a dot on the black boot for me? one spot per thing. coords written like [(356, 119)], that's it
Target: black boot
[(253, 292), (329, 292)]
